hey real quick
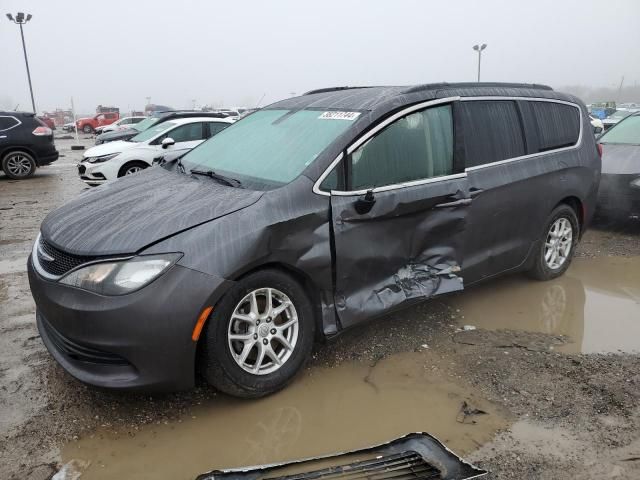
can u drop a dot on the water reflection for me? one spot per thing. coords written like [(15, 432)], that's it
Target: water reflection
[(596, 303)]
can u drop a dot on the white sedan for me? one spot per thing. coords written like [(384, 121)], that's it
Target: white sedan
[(116, 159), (124, 122)]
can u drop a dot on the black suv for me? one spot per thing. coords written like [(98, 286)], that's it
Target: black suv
[(154, 119), (25, 143)]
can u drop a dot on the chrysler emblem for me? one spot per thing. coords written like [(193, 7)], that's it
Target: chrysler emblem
[(44, 256)]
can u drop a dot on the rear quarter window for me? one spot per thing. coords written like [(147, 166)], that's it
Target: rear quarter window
[(558, 125), (492, 131), (7, 122)]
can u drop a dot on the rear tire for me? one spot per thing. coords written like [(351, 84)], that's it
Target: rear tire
[(130, 168), (237, 329), (558, 245), (18, 165)]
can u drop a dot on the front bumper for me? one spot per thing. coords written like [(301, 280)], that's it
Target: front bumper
[(138, 341), (617, 199), (91, 173)]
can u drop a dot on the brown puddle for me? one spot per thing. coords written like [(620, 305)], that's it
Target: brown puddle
[(596, 303), (327, 410)]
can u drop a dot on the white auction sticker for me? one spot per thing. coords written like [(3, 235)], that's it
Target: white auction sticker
[(339, 115)]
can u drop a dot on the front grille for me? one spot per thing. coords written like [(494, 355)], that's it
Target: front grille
[(416, 456), (79, 352), (81, 169), (399, 466), (62, 262)]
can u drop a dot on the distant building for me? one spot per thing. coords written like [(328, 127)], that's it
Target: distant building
[(101, 109)]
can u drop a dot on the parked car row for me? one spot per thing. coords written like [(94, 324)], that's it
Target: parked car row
[(121, 124), (148, 122), (125, 157)]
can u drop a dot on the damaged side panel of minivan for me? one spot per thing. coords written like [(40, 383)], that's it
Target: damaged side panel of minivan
[(406, 248)]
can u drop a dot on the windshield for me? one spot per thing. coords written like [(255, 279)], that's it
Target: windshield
[(270, 147), (149, 133), (146, 123), (626, 132)]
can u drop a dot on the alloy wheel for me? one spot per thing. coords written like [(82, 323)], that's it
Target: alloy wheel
[(263, 331), (558, 244), (132, 170), (19, 165)]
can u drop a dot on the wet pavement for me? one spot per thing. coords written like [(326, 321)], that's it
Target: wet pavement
[(596, 304), (328, 410)]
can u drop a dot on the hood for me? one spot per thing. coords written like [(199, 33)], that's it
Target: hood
[(620, 159), (108, 148), (127, 215)]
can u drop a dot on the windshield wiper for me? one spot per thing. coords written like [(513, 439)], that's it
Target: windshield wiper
[(232, 182)]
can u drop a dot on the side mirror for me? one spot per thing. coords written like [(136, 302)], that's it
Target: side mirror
[(167, 142)]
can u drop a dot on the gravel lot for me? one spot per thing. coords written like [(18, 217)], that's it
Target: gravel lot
[(553, 415)]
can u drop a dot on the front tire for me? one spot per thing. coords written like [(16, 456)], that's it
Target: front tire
[(556, 251), (18, 165), (130, 168), (87, 129), (259, 335)]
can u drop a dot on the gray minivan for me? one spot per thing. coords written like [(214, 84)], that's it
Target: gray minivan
[(305, 218)]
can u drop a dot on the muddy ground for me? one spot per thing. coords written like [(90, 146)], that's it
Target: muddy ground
[(551, 364)]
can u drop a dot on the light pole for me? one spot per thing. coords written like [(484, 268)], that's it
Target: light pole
[(21, 19), (479, 49)]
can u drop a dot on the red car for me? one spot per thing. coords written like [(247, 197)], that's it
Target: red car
[(49, 122), (88, 125)]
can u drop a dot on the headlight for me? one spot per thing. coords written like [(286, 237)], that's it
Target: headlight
[(102, 158), (120, 277), (635, 183)]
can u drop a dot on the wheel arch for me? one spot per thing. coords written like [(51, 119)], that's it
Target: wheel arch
[(578, 207), (13, 149), (308, 284), (310, 287), (129, 163)]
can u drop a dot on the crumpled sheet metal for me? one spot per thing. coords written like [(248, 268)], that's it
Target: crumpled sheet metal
[(422, 250), (434, 452)]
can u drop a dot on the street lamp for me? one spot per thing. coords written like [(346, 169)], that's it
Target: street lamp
[(479, 49), (21, 19)]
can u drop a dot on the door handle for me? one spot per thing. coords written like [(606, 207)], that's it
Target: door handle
[(365, 204), (457, 203)]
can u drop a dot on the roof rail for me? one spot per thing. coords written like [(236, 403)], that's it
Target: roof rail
[(444, 85), (332, 89)]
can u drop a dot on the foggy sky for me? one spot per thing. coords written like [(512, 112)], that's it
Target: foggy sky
[(232, 52)]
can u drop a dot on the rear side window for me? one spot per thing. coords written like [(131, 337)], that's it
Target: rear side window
[(7, 122), (414, 147), (186, 133), (492, 131), (216, 127), (558, 125)]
